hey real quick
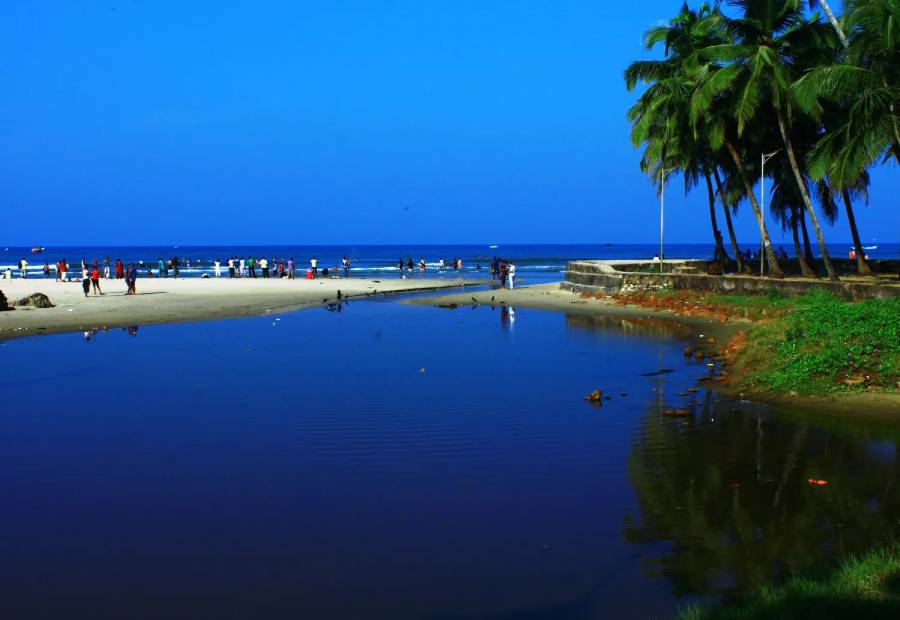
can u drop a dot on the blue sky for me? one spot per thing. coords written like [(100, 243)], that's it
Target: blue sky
[(404, 121)]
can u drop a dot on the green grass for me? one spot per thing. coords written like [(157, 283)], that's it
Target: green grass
[(818, 343), (867, 586)]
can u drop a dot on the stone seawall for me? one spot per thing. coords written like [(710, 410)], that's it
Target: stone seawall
[(609, 277)]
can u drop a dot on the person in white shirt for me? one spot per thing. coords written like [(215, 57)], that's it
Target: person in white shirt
[(314, 265), (511, 274), (217, 267), (264, 265)]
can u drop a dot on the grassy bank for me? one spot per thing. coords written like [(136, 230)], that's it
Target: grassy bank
[(813, 344), (863, 587)]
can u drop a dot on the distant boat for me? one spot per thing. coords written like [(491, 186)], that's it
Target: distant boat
[(493, 247), (37, 250), (870, 247)]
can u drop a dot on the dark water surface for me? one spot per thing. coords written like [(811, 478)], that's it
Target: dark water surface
[(308, 467)]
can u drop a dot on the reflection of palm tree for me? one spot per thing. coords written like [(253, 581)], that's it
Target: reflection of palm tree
[(707, 488)]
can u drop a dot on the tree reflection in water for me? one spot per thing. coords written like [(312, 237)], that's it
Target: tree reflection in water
[(730, 489)]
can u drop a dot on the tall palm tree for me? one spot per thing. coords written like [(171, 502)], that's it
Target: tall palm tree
[(867, 84), (660, 120), (832, 19), (773, 43)]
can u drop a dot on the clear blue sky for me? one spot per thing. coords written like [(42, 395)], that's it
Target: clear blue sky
[(132, 122)]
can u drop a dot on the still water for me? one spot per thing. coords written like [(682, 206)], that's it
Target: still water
[(389, 461)]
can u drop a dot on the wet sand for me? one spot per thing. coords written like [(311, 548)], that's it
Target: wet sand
[(168, 300)]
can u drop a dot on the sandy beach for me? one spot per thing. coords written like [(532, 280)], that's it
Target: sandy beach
[(169, 300)]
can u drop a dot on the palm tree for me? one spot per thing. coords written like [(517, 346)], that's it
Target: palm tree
[(773, 43), (831, 18), (828, 198), (660, 119), (867, 85), (729, 202)]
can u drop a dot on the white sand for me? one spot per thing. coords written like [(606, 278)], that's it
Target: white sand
[(168, 300)]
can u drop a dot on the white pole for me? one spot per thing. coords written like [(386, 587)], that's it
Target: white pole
[(762, 208), (662, 210)]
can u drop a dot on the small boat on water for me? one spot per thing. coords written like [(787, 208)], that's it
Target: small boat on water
[(870, 247), (37, 250)]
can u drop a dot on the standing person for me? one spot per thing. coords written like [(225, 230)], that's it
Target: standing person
[(85, 279), (95, 280), (230, 264), (131, 279), (46, 270), (163, 270), (401, 265), (347, 268), (314, 265), (23, 268), (264, 265), (176, 266), (120, 269), (61, 270), (502, 273), (290, 268), (217, 268), (409, 264), (241, 264), (422, 264), (511, 270), (106, 267), (441, 264)]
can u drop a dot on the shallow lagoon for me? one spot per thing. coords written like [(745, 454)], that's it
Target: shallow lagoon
[(406, 462)]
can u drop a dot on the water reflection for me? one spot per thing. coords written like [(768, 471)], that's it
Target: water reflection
[(645, 326), (734, 491)]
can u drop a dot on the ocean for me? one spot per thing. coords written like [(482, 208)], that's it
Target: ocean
[(535, 263)]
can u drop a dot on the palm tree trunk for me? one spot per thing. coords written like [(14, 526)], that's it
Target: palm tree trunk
[(717, 235), (774, 267), (738, 257), (861, 265), (792, 158), (807, 248), (805, 269), (835, 24)]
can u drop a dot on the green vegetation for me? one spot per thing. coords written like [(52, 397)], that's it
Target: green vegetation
[(863, 587), (775, 81), (817, 344)]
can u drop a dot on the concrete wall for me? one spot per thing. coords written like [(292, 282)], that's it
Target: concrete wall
[(617, 277)]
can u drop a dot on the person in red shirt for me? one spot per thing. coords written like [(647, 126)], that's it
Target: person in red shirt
[(95, 279), (120, 269), (61, 269)]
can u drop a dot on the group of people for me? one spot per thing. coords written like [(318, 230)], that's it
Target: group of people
[(505, 271), (456, 264)]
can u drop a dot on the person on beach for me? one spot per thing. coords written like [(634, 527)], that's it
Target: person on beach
[(281, 269), (409, 264), (176, 266), (46, 270), (61, 269), (422, 264), (264, 265), (85, 279), (95, 280), (441, 264), (347, 262), (106, 267), (401, 265), (23, 268), (131, 279), (120, 269), (251, 266), (511, 271), (290, 268), (502, 272), (314, 265), (217, 268)]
